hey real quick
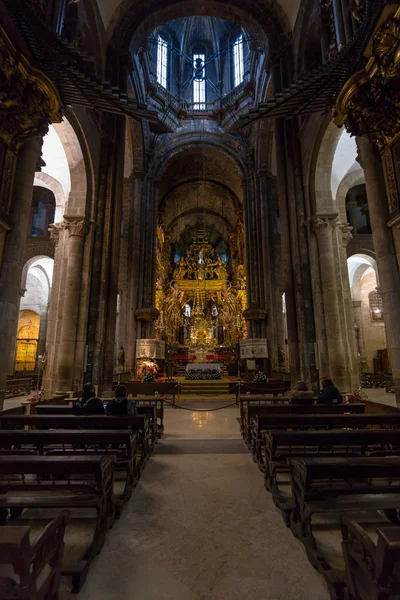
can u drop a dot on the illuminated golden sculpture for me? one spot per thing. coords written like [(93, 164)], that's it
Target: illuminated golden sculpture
[(201, 299)]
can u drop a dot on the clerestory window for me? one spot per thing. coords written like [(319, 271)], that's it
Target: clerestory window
[(199, 82), (162, 61), (238, 61)]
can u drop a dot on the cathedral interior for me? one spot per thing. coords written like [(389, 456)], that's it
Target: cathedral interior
[(204, 194)]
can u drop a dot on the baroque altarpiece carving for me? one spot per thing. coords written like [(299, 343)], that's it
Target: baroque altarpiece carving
[(201, 295)]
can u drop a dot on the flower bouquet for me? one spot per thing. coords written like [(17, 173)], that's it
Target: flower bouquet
[(260, 377), (147, 369)]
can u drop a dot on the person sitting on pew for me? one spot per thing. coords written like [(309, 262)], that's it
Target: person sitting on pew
[(302, 395), (89, 404), (329, 393), (121, 406)]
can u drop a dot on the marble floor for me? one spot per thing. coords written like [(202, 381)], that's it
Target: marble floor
[(200, 525)]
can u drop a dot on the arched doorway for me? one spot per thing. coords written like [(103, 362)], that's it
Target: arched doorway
[(368, 314)]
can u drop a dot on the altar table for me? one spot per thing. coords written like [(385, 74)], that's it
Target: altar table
[(203, 367)]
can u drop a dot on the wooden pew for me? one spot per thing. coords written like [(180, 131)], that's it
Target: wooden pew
[(274, 388), (333, 486), (119, 443), (139, 424), (371, 567), (35, 568), (263, 423), (149, 409), (73, 482), (281, 446), (251, 411)]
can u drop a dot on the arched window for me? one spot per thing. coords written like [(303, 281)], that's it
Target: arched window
[(162, 61), (375, 306), (238, 61), (199, 81)]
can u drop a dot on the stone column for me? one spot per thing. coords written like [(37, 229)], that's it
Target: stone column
[(76, 229), (55, 232), (385, 252), (12, 264), (324, 226), (358, 322)]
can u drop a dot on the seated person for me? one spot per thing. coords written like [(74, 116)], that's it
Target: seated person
[(121, 406), (89, 404), (302, 395), (329, 393)]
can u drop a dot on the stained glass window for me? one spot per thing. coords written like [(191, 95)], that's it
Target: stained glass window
[(238, 62), (162, 62), (199, 81)]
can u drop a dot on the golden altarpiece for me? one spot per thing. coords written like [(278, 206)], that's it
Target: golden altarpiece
[(201, 295)]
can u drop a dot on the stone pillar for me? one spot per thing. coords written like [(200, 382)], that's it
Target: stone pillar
[(324, 226), (146, 313), (385, 252), (358, 322), (76, 229), (12, 264)]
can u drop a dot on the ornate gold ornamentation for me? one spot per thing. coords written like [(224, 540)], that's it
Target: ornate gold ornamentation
[(28, 99), (390, 180), (369, 103)]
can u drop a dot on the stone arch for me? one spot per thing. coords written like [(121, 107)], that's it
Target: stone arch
[(357, 265), (335, 156), (351, 179), (133, 21), (76, 202), (49, 182)]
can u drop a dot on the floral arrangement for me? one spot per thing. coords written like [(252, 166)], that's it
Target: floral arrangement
[(260, 377), (148, 378), (147, 366), (209, 374)]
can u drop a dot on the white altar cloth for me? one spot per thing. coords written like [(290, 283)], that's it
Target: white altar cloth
[(203, 367)]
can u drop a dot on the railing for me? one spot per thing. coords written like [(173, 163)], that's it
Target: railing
[(198, 108)]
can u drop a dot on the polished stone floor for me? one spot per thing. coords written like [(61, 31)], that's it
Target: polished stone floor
[(200, 525)]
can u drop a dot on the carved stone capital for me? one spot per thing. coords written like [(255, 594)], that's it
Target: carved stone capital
[(346, 230), (255, 314), (147, 314), (356, 303), (54, 232), (321, 223), (75, 227)]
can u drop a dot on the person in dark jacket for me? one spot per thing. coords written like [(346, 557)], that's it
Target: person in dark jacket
[(302, 395), (329, 393), (121, 406), (89, 404)]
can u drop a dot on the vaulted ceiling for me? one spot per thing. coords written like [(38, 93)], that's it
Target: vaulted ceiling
[(108, 8)]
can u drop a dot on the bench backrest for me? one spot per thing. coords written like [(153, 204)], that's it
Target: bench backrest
[(371, 569), (308, 409), (47, 469), (276, 387), (78, 439), (300, 442), (149, 389), (137, 423), (38, 565), (263, 422)]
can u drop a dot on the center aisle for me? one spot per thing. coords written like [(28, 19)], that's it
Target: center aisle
[(201, 526)]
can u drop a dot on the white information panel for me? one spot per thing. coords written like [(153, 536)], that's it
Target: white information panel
[(150, 349), (254, 348)]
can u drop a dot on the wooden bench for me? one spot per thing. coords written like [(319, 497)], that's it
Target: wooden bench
[(119, 443), (140, 424), (281, 446), (168, 389), (261, 424), (323, 486), (73, 482), (275, 388), (34, 568), (149, 408), (371, 567), (251, 411)]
